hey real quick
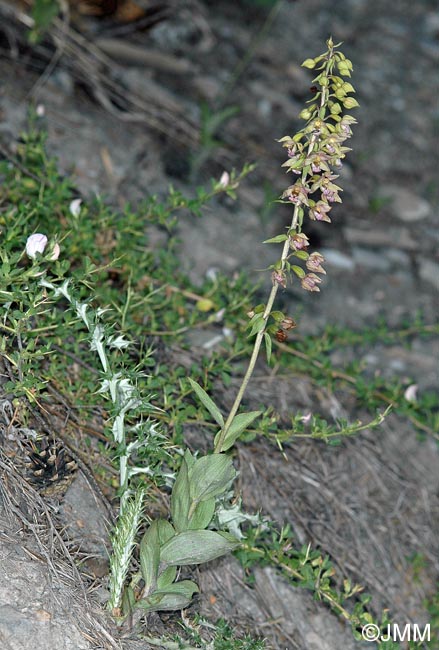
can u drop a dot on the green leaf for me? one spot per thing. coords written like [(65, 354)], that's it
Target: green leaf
[(180, 500), (276, 240), (210, 476), (257, 325), (43, 12), (207, 402), (150, 556), (196, 547), (128, 601), (202, 515), (159, 532), (166, 578), (268, 345), (176, 596), (239, 424)]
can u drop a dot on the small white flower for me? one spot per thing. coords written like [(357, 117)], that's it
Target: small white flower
[(410, 393), (75, 207), (306, 419), (36, 243), (40, 110), (225, 179)]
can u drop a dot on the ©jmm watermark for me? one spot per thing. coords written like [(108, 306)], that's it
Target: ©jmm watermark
[(395, 632)]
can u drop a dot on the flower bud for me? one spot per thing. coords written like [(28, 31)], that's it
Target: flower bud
[(305, 114), (278, 277), (299, 241), (288, 323), (281, 336), (309, 63), (35, 244), (350, 102), (310, 282), (314, 263)]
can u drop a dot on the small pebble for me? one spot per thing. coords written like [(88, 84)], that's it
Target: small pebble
[(406, 205), (370, 259), (337, 259), (429, 272)]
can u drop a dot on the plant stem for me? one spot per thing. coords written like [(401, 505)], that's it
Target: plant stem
[(273, 292), (258, 342)]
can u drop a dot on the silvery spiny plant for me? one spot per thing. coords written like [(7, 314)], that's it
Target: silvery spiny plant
[(193, 534)]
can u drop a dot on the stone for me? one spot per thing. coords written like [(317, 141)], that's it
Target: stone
[(380, 237), (337, 259), (397, 257), (405, 204), (370, 259), (429, 272)]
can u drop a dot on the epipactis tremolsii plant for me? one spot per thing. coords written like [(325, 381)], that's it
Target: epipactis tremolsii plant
[(203, 482), (313, 155)]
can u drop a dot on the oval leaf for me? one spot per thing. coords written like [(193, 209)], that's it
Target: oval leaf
[(276, 240), (268, 345), (210, 476), (202, 515), (150, 556), (166, 578), (180, 500), (239, 424), (176, 596), (196, 547)]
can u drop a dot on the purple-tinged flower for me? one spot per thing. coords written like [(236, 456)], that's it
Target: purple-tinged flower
[(331, 144), (299, 241), (344, 127), (319, 212), (297, 193), (318, 162), (329, 195), (314, 263), (35, 244), (278, 277), (310, 282)]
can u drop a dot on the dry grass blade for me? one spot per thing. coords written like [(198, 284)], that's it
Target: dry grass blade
[(100, 74), (22, 505)]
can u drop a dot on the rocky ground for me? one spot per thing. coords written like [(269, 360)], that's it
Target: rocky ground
[(372, 503)]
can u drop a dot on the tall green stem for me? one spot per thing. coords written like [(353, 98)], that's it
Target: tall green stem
[(257, 343), (271, 297)]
